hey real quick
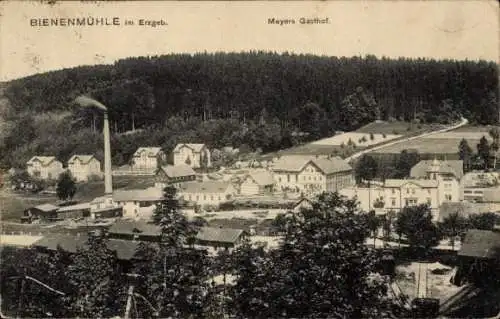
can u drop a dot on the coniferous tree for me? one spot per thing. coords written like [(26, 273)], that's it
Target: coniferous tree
[(465, 153), (483, 151)]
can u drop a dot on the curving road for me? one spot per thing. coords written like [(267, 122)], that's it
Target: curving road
[(463, 122)]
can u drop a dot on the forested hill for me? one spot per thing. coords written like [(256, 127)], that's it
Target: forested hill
[(208, 97)]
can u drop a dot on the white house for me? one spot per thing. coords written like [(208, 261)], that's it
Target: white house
[(138, 203), (312, 175), (449, 175), (148, 158), (207, 193), (44, 167), (82, 167), (194, 155), (257, 183)]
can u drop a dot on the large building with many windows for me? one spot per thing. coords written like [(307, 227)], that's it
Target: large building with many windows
[(432, 183), (312, 175)]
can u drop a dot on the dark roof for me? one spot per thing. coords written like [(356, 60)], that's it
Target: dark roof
[(125, 249), (178, 170), (221, 235), (133, 227), (481, 244), (204, 187)]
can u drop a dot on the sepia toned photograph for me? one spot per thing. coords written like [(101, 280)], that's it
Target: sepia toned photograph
[(249, 159)]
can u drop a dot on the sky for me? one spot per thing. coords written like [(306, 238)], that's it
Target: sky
[(429, 29)]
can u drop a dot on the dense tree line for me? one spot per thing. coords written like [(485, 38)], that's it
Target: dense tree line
[(313, 94)]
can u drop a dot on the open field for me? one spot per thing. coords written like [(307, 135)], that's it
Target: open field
[(458, 136), (428, 146), (476, 128), (397, 127), (356, 138)]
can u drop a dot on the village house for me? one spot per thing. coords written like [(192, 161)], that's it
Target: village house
[(174, 175), (257, 183), (312, 175), (138, 203), (194, 155), (210, 193), (401, 193), (44, 167), (148, 158), (220, 238), (83, 167), (135, 230), (448, 174)]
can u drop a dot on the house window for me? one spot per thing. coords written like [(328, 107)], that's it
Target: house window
[(279, 179), (394, 191), (212, 197), (429, 201), (411, 202), (447, 197), (413, 191), (288, 178), (197, 197), (393, 202), (407, 191), (204, 197)]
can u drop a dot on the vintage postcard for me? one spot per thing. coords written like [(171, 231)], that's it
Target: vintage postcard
[(249, 159)]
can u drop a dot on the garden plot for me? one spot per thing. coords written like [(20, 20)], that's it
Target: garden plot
[(360, 139)]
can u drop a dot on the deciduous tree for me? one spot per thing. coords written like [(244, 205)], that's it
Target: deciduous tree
[(66, 186), (415, 222), (322, 269)]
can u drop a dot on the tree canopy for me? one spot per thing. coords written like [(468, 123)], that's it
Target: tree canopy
[(322, 268)]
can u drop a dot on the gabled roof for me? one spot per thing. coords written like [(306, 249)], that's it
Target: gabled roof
[(424, 183), (47, 208), (149, 194), (73, 207), (204, 187), (221, 235), (297, 163), (454, 167), (481, 244), (178, 170), (133, 227), (85, 159), (125, 249), (45, 160), (261, 178), (195, 147), (150, 151)]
